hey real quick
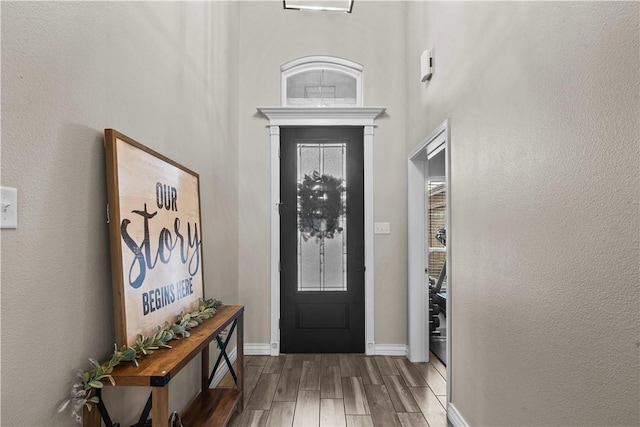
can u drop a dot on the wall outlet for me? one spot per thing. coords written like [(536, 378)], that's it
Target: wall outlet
[(381, 228), (8, 207)]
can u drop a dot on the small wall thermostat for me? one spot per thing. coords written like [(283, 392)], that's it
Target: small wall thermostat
[(426, 65)]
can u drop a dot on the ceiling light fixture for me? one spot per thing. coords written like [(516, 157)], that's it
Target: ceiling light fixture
[(320, 5)]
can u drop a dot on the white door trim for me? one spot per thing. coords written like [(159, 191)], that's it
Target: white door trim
[(307, 116), (417, 284), (417, 342)]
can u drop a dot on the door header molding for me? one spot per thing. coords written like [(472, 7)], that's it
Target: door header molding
[(319, 116)]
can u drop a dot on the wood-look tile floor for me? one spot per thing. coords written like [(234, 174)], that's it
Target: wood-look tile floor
[(335, 390)]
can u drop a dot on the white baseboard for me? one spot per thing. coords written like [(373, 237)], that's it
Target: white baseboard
[(454, 416), (257, 349), (391, 350), (264, 349), (223, 368)]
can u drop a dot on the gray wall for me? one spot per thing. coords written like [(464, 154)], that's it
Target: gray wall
[(164, 74), (543, 100), (270, 37)]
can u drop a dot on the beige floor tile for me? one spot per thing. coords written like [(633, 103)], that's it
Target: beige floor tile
[(281, 414), (412, 419), (401, 397), (355, 400), (332, 413), (430, 406), (359, 421), (382, 412), (307, 413)]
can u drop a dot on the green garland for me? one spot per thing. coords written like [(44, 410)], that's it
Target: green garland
[(83, 391)]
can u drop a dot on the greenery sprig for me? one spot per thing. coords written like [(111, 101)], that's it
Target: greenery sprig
[(83, 391)]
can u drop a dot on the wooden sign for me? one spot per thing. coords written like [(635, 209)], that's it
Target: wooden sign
[(155, 234)]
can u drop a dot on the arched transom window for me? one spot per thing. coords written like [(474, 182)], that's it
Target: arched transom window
[(321, 81)]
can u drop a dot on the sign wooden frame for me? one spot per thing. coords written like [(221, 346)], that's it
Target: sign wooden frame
[(155, 235)]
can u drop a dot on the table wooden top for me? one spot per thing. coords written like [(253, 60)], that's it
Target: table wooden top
[(159, 368)]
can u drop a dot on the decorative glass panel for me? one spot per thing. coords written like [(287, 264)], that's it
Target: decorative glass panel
[(322, 231), (321, 88)]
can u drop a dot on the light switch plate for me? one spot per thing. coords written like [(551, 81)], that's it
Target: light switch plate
[(8, 207), (381, 228)]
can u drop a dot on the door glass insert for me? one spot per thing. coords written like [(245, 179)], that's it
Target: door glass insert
[(321, 216), (436, 237)]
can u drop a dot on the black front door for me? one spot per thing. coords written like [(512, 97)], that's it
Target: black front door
[(322, 240)]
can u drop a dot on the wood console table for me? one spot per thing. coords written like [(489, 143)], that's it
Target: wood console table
[(212, 407)]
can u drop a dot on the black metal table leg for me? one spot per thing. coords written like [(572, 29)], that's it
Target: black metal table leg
[(223, 353), (104, 414), (145, 413)]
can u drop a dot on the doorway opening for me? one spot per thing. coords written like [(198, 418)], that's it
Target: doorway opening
[(281, 118), (436, 248), (429, 250), (321, 91), (322, 240)]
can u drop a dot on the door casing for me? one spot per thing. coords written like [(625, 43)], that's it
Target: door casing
[(418, 310), (318, 116)]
